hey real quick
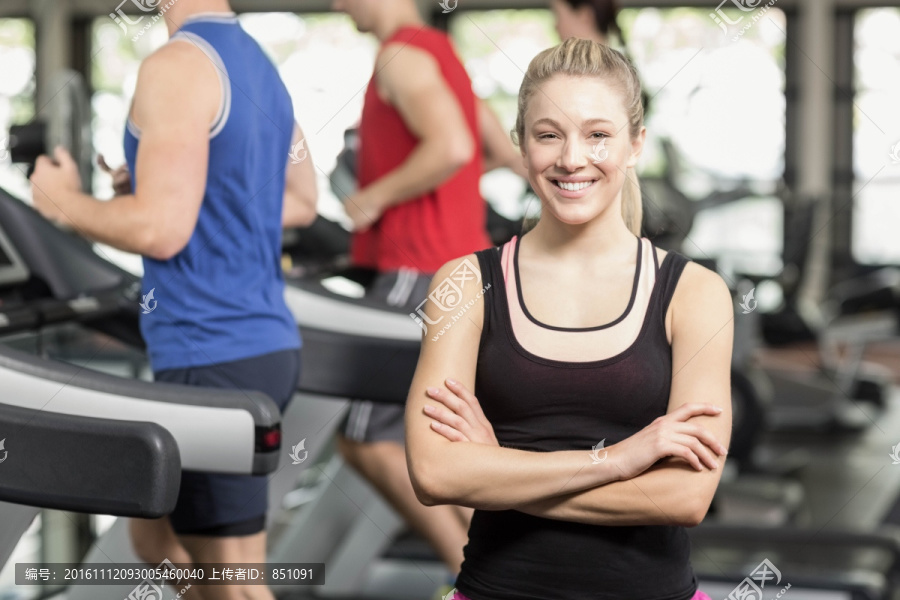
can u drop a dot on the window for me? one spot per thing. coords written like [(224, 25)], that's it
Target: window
[(876, 137), (17, 87)]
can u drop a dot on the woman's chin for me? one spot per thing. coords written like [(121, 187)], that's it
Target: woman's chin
[(569, 214)]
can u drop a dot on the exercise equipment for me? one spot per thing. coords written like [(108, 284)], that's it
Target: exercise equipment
[(835, 394), (66, 123), (80, 440), (838, 393)]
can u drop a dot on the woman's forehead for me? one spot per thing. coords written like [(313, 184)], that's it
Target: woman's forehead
[(578, 99)]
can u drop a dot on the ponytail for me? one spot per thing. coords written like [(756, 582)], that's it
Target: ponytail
[(632, 206)]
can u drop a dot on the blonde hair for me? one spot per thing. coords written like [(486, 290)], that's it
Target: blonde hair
[(584, 58)]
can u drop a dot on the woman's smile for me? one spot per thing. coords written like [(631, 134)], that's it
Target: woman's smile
[(573, 188)]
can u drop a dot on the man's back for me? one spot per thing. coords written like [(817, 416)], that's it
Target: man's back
[(216, 304)]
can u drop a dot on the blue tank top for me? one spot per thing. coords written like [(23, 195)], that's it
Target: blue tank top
[(222, 297)]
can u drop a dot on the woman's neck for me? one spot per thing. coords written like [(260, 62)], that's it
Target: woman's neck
[(605, 236)]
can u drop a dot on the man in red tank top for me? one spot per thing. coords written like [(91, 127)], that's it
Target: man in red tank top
[(425, 140)]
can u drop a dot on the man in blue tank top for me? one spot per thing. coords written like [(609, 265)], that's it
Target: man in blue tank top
[(209, 146)]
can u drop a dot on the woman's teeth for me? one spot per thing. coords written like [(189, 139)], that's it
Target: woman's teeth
[(573, 187)]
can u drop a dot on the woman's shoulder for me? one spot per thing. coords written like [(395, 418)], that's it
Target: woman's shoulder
[(700, 290), (459, 273)]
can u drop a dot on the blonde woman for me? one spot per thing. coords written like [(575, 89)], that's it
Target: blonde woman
[(575, 392)]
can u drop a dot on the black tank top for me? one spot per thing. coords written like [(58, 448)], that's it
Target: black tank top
[(544, 405)]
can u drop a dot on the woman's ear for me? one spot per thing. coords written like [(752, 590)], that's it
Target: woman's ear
[(637, 147)]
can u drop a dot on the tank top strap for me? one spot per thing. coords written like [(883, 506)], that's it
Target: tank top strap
[(667, 280), (491, 275), (655, 259)]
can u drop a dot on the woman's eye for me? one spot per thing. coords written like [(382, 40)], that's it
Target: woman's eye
[(546, 136), (598, 135)]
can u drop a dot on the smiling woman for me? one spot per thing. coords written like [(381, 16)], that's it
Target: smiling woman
[(609, 83), (587, 332)]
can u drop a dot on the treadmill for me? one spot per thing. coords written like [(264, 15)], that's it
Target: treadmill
[(79, 439), (352, 349)]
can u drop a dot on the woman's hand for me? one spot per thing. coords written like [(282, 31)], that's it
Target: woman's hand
[(458, 415), (669, 435)]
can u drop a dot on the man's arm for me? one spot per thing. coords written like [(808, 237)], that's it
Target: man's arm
[(300, 193), (671, 492), (497, 148), (411, 81), (176, 99)]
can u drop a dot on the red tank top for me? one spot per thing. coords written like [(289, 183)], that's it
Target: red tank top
[(448, 222)]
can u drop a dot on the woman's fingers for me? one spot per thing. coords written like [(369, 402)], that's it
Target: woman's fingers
[(466, 403), (448, 399), (698, 449), (705, 436), (461, 391), (471, 402), (448, 432), (684, 452), (694, 409), (447, 417)]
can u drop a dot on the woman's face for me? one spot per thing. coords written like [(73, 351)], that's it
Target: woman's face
[(577, 146)]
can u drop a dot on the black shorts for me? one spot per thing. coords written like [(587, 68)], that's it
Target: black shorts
[(218, 505), (369, 421)]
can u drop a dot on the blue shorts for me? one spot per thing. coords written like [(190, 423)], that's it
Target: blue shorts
[(217, 505)]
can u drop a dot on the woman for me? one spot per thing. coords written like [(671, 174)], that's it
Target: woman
[(586, 19), (585, 449)]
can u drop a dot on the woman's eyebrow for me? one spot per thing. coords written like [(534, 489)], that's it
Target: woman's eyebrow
[(598, 121), (546, 121), (586, 123)]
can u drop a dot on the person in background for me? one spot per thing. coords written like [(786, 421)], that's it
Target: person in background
[(424, 142), (211, 188), (593, 20)]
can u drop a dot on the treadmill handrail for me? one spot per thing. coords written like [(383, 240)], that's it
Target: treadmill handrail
[(90, 465), (262, 408), (216, 429), (314, 306)]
